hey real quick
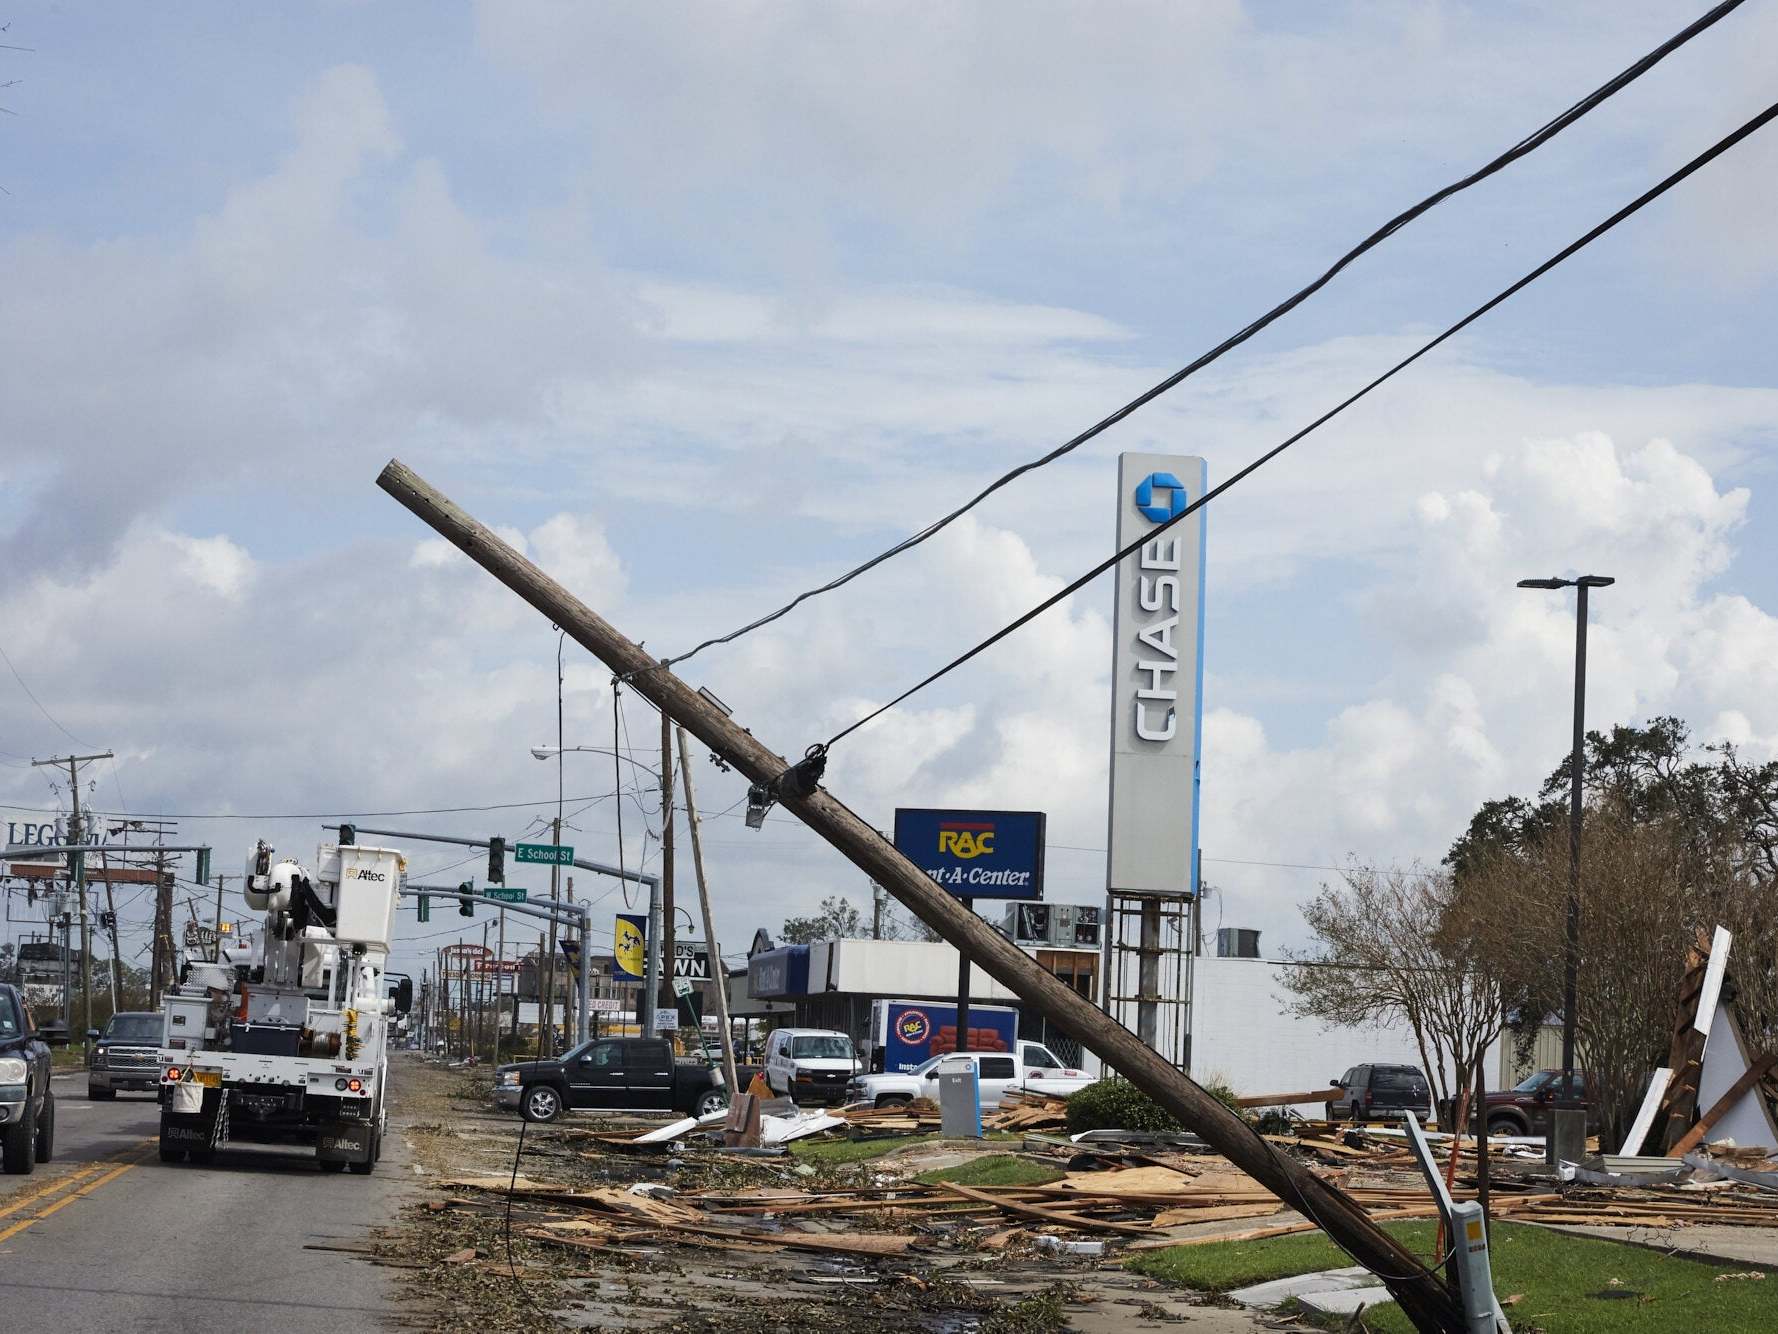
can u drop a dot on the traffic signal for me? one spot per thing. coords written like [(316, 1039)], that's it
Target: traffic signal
[(464, 906), (204, 866), (107, 921), (497, 861), (425, 908)]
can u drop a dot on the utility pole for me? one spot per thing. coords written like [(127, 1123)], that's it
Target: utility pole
[(116, 953), (500, 983), (718, 973), (666, 995), (77, 873), (1418, 1291)]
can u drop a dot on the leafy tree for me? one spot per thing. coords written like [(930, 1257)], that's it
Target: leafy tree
[(838, 919), (1675, 839), (1394, 947)]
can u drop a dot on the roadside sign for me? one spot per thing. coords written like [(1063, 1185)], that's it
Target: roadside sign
[(665, 1021), (681, 987), (629, 947), (505, 893), (550, 854), (604, 1005), (691, 959), (975, 854)]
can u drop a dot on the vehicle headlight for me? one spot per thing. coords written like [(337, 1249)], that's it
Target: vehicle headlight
[(508, 1078), (12, 1069), (98, 1058)]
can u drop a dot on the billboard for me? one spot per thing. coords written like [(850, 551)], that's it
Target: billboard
[(629, 947), (1157, 678), (975, 854), (911, 1032)]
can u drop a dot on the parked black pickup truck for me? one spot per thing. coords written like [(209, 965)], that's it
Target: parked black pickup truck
[(610, 1074), (27, 1107)]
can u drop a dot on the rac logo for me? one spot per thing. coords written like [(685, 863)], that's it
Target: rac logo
[(913, 1027), (1160, 497), (967, 841)]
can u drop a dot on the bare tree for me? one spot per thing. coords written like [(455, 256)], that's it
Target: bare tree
[(1394, 949)]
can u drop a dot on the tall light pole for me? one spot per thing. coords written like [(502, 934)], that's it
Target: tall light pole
[(1576, 770)]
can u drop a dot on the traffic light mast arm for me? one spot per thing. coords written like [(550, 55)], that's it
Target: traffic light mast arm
[(598, 868)]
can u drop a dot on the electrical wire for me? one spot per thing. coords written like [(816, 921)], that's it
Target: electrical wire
[(318, 815), (1529, 144), (1634, 206), (39, 703)]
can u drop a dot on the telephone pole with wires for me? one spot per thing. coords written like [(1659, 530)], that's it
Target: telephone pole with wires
[(77, 875)]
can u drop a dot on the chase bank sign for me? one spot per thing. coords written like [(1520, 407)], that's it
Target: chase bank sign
[(1157, 677)]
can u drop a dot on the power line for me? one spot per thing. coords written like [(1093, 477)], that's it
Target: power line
[(1634, 206), (1523, 148), (39, 703), (323, 815)]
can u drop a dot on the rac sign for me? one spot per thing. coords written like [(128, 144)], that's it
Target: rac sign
[(975, 854)]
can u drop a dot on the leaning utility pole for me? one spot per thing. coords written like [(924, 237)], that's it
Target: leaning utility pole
[(718, 974), (1416, 1288), (116, 953), (666, 995)]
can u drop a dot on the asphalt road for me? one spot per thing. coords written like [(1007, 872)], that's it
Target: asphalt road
[(109, 1237)]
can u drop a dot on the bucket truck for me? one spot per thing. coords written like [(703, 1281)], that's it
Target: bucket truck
[(288, 1031)]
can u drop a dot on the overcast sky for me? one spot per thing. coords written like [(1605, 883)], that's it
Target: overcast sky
[(703, 303)]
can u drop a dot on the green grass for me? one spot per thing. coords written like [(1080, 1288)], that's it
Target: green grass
[(851, 1150), (1565, 1282), (996, 1169)]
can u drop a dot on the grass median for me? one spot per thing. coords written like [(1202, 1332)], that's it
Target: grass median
[(1544, 1279)]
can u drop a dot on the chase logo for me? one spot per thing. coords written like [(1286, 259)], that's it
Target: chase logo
[(966, 841), (913, 1027), (1160, 497)]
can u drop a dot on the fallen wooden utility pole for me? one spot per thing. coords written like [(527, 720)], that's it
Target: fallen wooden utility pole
[(1418, 1290)]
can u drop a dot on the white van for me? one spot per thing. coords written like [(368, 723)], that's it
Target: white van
[(810, 1064)]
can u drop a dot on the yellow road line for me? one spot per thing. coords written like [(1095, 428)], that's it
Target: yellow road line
[(23, 1223), (62, 1184)]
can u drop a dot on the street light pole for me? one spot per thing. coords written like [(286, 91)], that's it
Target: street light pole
[(1570, 1097)]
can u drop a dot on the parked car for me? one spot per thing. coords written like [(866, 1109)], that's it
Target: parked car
[(1380, 1092), (125, 1055), (1030, 1066), (810, 1064), (610, 1074), (1524, 1109), (27, 1105)]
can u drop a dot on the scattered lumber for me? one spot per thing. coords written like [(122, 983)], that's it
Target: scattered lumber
[(1288, 1099)]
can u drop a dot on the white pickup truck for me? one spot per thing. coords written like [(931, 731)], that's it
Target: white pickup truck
[(1029, 1066)]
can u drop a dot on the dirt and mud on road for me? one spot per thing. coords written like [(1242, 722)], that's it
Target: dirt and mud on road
[(459, 1265)]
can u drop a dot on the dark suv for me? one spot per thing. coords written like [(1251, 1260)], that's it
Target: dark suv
[(27, 1107), (126, 1055), (1380, 1092), (1525, 1108)]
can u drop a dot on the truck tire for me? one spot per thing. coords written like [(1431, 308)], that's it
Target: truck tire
[(1505, 1125), (710, 1101), (18, 1148), (100, 1095), (369, 1165), (541, 1103), (894, 1100), (330, 1165), (170, 1154), (46, 1129)]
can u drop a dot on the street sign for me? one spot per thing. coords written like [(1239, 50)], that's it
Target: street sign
[(550, 854), (505, 893), (681, 987)]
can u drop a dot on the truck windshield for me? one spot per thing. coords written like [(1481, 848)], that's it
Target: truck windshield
[(134, 1028), (9, 1018), (821, 1047), (1533, 1082)]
